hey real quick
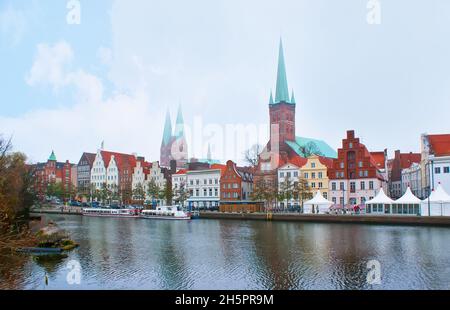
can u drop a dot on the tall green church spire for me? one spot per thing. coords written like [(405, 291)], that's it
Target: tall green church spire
[(292, 98), (52, 156), (167, 135), (179, 127), (282, 92)]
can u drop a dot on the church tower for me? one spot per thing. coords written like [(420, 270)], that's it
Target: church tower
[(282, 109), (166, 144), (179, 147), (174, 144)]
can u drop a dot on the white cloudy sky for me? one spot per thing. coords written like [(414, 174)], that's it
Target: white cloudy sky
[(112, 78)]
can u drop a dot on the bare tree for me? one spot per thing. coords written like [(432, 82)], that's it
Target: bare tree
[(310, 149), (251, 156)]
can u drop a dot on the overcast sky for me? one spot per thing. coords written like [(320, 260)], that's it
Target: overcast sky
[(112, 77)]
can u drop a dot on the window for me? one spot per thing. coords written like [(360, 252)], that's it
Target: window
[(333, 186), (363, 185), (306, 175), (341, 186), (360, 164), (313, 165), (313, 175), (325, 195), (333, 199), (446, 169), (320, 175), (342, 165), (352, 187), (350, 145), (281, 174), (295, 174), (320, 185), (437, 170), (313, 184), (288, 174), (371, 185)]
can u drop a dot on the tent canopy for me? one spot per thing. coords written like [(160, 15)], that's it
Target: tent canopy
[(381, 198), (439, 195), (319, 200), (408, 198)]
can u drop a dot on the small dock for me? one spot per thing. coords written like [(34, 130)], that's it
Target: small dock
[(443, 221)]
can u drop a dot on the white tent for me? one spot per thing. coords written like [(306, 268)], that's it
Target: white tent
[(408, 204), (319, 203), (438, 204), (380, 204)]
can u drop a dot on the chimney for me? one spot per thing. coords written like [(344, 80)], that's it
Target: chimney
[(173, 166)]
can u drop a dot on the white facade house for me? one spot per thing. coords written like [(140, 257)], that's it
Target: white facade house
[(435, 162), (412, 178), (354, 192), (157, 175), (98, 172), (112, 175), (139, 178), (204, 188), (288, 174)]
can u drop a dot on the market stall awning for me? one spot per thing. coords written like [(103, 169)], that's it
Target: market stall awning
[(408, 198), (439, 195), (381, 198), (319, 200)]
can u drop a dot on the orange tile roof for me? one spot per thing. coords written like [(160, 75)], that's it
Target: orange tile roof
[(440, 144), (379, 160)]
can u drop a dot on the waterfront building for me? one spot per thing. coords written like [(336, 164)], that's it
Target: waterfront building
[(204, 187), (400, 162), (140, 179), (288, 177), (356, 175), (113, 171), (315, 172), (174, 145), (236, 187), (84, 168), (52, 172), (435, 163), (412, 178), (179, 186), (283, 143)]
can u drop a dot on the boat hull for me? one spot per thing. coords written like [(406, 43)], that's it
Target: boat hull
[(173, 218), (111, 215)]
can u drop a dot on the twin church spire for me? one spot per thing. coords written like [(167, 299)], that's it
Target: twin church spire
[(169, 134), (282, 90)]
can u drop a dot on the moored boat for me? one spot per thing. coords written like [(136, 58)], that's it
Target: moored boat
[(166, 213), (96, 212)]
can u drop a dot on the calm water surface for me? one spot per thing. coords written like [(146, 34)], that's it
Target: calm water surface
[(224, 254)]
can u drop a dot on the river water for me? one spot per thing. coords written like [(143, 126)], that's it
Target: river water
[(227, 254)]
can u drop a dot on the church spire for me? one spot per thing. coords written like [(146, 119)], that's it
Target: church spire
[(293, 98), (52, 156), (179, 126), (167, 135), (271, 98), (282, 92), (209, 156)]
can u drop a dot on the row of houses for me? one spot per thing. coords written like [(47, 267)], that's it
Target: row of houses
[(352, 175)]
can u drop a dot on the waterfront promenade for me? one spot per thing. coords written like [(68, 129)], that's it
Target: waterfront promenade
[(297, 217)]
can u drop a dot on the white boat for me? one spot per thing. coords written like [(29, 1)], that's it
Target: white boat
[(97, 212), (166, 213)]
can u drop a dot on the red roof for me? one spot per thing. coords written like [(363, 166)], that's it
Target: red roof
[(182, 171), (121, 159), (407, 159), (221, 167), (440, 144), (378, 159), (327, 162)]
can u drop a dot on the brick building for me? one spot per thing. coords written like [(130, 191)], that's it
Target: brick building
[(356, 175), (236, 187), (400, 162), (52, 172)]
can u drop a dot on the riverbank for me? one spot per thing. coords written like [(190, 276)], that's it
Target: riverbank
[(57, 211), (348, 219)]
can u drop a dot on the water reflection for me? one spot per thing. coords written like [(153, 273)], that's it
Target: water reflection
[(208, 254)]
